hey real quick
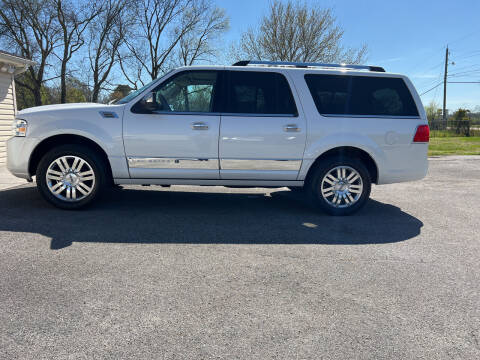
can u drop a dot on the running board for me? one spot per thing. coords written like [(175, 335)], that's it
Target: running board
[(253, 183)]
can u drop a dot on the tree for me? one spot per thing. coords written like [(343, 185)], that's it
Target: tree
[(140, 39), (462, 121), (432, 111), (107, 34), (293, 31), (197, 45), (165, 28), (29, 27), (119, 92), (73, 18), (24, 96), (76, 91)]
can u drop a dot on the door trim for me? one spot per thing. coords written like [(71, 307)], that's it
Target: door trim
[(260, 164), (172, 163)]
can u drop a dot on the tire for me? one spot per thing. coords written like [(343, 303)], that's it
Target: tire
[(76, 172), (345, 195)]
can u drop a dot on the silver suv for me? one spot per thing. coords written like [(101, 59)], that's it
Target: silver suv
[(329, 129)]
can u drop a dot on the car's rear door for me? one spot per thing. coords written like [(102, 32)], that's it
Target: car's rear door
[(263, 131)]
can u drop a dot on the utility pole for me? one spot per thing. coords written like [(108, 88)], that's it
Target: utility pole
[(445, 88)]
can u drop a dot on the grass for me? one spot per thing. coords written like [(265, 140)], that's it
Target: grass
[(450, 133), (454, 146)]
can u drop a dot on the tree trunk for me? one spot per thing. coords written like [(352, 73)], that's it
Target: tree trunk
[(37, 95), (95, 93), (63, 83)]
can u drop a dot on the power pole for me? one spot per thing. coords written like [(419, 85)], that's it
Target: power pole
[(445, 88)]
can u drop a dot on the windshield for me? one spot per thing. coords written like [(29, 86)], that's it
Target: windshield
[(134, 94)]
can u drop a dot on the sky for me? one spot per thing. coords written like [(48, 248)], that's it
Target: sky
[(403, 36)]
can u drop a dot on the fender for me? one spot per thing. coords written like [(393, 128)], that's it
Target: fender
[(336, 140), (110, 142)]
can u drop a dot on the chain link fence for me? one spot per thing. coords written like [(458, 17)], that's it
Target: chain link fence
[(441, 128)]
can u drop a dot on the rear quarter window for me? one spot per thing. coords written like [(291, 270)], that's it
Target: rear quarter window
[(361, 95)]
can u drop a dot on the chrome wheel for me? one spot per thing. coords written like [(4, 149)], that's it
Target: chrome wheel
[(70, 178), (342, 187)]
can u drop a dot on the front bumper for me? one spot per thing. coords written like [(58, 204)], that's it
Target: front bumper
[(19, 150)]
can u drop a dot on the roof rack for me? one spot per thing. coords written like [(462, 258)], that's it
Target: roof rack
[(308, 65)]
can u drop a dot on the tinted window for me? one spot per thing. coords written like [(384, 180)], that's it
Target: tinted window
[(259, 93), (361, 95), (191, 91), (330, 93), (381, 96)]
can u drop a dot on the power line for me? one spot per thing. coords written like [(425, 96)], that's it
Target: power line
[(464, 82), (464, 73), (435, 94), (459, 74), (466, 67), (436, 86), (469, 56)]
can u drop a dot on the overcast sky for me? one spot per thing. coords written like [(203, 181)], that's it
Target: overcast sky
[(407, 36)]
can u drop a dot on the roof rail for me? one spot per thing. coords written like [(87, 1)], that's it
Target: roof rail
[(307, 65)]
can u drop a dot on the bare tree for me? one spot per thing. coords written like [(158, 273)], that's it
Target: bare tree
[(107, 34), (73, 19), (292, 31), (29, 27), (169, 28), (197, 45)]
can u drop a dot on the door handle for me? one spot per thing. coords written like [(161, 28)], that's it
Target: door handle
[(199, 126), (291, 128)]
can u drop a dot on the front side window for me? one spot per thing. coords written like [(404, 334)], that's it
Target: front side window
[(361, 95), (191, 91), (262, 93)]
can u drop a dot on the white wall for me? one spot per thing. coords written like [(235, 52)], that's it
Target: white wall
[(7, 111)]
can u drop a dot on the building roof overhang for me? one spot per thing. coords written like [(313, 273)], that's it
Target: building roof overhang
[(13, 64)]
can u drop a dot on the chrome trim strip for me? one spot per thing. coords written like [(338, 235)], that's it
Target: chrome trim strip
[(172, 163), (371, 116), (260, 164)]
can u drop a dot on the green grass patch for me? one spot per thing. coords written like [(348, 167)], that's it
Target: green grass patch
[(454, 146), (451, 133)]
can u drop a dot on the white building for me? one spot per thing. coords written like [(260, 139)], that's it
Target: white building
[(10, 65)]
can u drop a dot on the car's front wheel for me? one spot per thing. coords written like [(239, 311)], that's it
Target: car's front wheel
[(70, 176), (340, 186)]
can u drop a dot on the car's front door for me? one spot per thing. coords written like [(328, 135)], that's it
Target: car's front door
[(173, 131), (262, 134)]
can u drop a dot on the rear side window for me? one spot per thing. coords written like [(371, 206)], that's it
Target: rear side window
[(330, 93), (361, 95), (265, 93)]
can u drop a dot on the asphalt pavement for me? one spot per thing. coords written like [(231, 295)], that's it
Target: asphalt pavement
[(217, 273)]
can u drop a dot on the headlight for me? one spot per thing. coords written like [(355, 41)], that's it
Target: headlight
[(19, 127)]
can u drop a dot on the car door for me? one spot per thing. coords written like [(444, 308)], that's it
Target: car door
[(262, 132), (173, 131)]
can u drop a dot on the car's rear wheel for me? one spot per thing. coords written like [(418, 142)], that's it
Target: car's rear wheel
[(340, 186), (70, 176)]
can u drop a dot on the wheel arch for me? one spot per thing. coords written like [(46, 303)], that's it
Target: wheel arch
[(347, 152), (63, 139)]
